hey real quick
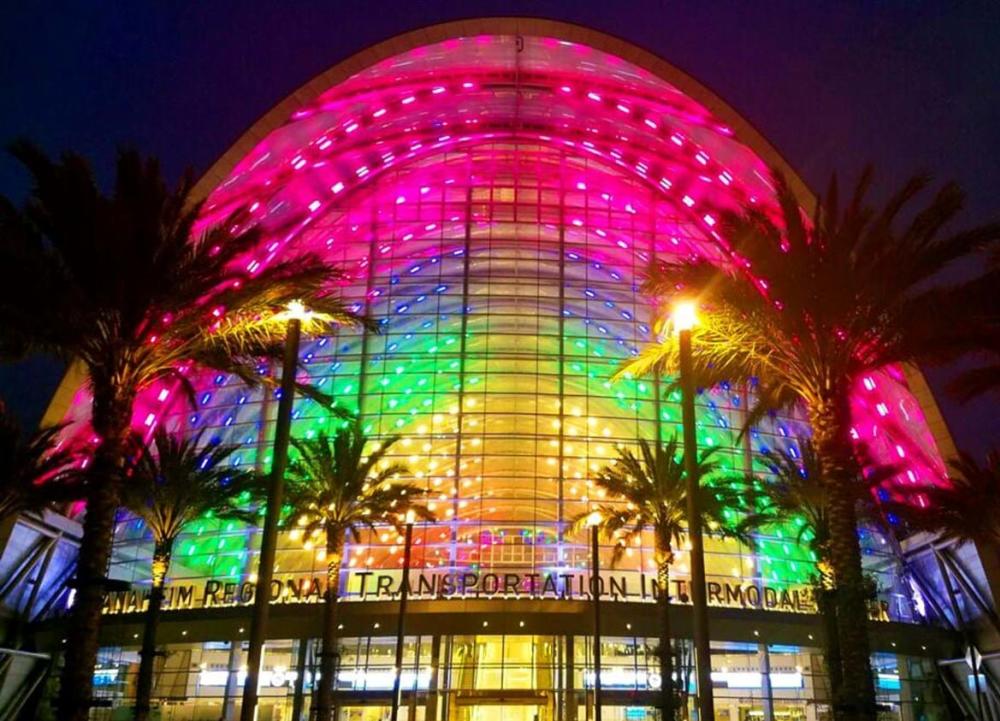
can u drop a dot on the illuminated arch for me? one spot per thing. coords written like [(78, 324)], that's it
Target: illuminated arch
[(494, 188)]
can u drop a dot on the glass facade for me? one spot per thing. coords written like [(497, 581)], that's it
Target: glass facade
[(505, 311), (493, 203), (513, 678)]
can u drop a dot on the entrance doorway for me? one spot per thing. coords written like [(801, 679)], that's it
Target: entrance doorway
[(501, 712)]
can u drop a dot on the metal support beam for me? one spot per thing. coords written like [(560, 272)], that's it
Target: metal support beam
[(946, 578), (61, 584), (25, 566), (40, 576), (968, 587), (33, 679), (930, 594), (958, 696), (947, 563)]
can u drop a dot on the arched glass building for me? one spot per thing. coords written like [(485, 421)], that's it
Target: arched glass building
[(493, 191)]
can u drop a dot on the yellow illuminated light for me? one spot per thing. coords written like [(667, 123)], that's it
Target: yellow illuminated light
[(296, 309), (685, 316)]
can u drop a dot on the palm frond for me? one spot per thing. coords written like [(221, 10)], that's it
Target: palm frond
[(122, 282), (976, 382), (966, 509), (36, 470), (174, 481), (650, 485), (806, 308), (346, 482)]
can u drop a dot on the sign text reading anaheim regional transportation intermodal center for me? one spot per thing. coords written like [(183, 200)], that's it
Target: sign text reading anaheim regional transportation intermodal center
[(429, 584)]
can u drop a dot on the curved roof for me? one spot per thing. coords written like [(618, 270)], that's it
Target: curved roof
[(620, 53)]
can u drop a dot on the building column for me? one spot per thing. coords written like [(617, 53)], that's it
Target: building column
[(442, 690), (767, 695), (815, 684), (232, 691), (431, 702), (569, 685), (906, 710), (298, 698), (545, 675)]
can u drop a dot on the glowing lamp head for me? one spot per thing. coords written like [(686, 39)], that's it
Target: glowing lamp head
[(296, 309), (411, 516), (594, 519), (685, 316)]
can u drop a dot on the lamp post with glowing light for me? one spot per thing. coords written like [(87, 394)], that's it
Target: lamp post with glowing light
[(294, 316), (684, 319), (594, 521)]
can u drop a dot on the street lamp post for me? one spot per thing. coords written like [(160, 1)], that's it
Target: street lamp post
[(275, 493), (595, 600), (404, 592), (684, 320)]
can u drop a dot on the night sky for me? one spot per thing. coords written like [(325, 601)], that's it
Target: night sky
[(907, 85)]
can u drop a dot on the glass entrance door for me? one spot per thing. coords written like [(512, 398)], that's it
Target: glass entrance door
[(502, 712)]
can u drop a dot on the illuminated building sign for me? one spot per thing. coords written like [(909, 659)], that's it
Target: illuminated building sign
[(385, 586)]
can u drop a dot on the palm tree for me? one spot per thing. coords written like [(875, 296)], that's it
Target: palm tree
[(341, 485), (966, 510), (36, 470), (117, 283), (174, 482), (807, 309), (983, 377), (653, 486), (796, 494)]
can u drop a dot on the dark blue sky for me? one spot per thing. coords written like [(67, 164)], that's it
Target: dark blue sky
[(907, 85)]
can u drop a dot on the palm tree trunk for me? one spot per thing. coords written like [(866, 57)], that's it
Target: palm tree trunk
[(667, 696), (328, 662), (111, 420), (857, 692), (147, 656)]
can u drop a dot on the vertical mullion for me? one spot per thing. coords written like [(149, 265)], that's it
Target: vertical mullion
[(562, 356), (460, 416)]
